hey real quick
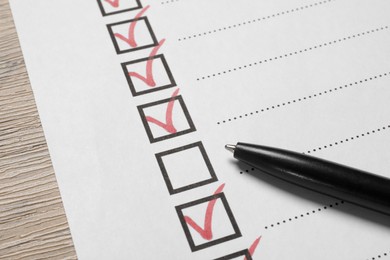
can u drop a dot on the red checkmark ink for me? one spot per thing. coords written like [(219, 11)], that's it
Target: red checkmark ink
[(253, 247), (149, 80), (206, 232), (130, 39), (113, 3), (168, 125)]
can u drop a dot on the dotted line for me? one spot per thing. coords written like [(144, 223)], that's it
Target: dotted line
[(248, 22), (380, 256), (306, 214), (247, 171), (349, 139), (337, 143), (337, 203), (319, 94), (291, 53), (170, 1)]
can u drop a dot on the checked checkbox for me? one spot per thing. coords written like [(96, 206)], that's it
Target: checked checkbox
[(208, 221), (166, 118), (148, 74), (241, 255), (186, 168), (108, 7), (132, 35), (245, 254)]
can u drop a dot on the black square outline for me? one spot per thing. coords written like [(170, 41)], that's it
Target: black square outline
[(244, 252), (130, 82), (237, 232), (164, 137), (115, 42), (190, 186), (139, 6)]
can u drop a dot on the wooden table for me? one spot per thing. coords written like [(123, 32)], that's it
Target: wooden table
[(33, 224)]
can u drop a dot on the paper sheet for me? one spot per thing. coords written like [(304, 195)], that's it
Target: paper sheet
[(138, 98)]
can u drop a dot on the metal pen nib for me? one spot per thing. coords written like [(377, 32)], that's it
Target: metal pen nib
[(230, 147)]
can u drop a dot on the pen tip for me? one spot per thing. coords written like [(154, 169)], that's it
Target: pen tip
[(230, 147)]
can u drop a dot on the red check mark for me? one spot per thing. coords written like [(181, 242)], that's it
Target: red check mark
[(168, 125), (113, 3), (130, 39), (206, 232), (253, 247), (149, 79)]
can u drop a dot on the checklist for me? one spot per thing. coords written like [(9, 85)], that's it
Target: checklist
[(142, 97)]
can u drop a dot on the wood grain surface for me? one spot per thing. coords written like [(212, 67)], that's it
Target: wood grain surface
[(33, 224)]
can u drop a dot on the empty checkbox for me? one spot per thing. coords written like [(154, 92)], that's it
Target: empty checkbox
[(186, 167)]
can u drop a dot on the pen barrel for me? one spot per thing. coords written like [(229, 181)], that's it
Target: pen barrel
[(343, 182)]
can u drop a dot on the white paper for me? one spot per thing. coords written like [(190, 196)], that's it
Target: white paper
[(140, 158)]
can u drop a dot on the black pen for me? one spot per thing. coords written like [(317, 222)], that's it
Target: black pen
[(343, 182)]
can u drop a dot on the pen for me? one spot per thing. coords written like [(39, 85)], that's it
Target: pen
[(343, 182)]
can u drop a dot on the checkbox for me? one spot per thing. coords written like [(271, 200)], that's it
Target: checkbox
[(109, 7), (207, 222), (237, 256), (153, 75), (132, 35), (166, 118), (186, 167)]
